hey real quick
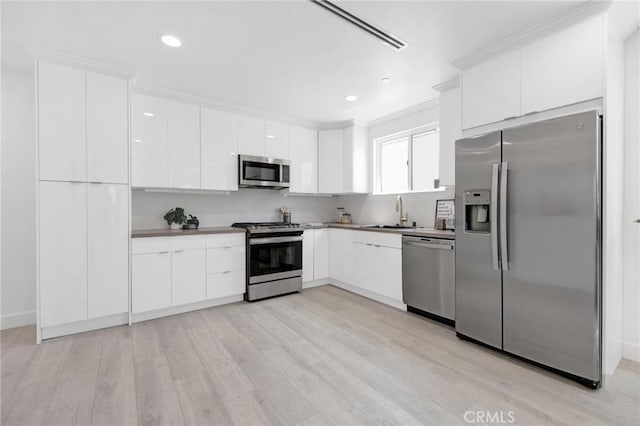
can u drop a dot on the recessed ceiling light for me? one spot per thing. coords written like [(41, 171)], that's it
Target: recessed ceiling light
[(171, 41), (386, 80), (351, 98), (137, 140), (270, 136), (148, 114)]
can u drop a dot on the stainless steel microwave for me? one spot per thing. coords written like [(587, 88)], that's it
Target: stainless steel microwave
[(262, 172)]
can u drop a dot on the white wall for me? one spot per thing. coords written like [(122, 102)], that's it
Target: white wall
[(631, 230), (18, 199), (376, 209), (246, 205), (613, 204)]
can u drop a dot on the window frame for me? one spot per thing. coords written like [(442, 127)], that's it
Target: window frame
[(409, 135)]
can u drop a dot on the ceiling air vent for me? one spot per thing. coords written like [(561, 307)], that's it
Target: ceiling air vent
[(387, 38)]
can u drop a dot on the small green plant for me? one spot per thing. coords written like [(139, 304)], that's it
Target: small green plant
[(176, 216)]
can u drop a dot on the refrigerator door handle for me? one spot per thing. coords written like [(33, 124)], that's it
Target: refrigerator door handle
[(504, 248), (493, 216)]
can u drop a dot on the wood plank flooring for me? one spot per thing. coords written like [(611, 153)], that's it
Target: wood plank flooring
[(321, 357)]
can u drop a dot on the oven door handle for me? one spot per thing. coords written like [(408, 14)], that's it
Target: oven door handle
[(272, 240)]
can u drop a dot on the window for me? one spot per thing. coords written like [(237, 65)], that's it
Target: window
[(407, 162)]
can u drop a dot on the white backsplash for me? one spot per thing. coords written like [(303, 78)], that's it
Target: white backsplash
[(380, 209), (246, 205)]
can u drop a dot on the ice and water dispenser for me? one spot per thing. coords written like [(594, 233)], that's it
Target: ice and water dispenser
[(476, 210)]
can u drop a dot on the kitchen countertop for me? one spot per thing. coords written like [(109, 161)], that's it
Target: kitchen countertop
[(414, 232), (142, 233)]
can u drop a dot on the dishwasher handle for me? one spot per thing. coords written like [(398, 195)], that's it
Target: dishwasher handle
[(430, 244)]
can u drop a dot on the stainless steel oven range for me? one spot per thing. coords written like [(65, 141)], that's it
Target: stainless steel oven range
[(274, 259)]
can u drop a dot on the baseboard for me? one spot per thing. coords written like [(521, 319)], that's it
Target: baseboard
[(175, 310), (316, 283), (631, 350), (84, 326), (17, 320), (369, 294)]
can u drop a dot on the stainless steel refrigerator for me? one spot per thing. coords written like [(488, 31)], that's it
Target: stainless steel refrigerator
[(528, 243)]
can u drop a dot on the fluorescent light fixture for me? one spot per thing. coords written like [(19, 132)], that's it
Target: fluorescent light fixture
[(386, 80), (171, 41), (351, 98), (148, 114), (387, 38)]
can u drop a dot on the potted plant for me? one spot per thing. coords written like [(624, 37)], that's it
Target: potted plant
[(175, 218)]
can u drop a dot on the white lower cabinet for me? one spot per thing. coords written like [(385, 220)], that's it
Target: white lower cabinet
[(150, 281), (188, 276), (341, 255), (307, 255), (320, 254), (108, 249), (175, 271), (62, 252), (225, 284), (378, 269), (226, 265)]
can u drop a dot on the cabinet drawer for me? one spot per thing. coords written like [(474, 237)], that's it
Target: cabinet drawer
[(378, 239), (225, 284), (150, 245), (223, 259), (188, 243), (227, 240)]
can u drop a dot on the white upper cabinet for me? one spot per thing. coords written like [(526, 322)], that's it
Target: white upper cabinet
[(219, 150), (450, 131), (183, 134), (303, 151), (62, 123), (491, 90), (149, 150), (107, 129), (108, 249), (355, 160), (62, 252), (251, 136), (564, 68), (343, 158), (276, 140), (330, 161)]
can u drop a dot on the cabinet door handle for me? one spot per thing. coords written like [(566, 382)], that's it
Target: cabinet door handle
[(510, 118), (227, 247), (532, 112), (178, 251), (226, 272), (163, 252)]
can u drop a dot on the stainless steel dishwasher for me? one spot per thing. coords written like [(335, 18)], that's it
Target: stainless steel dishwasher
[(428, 277)]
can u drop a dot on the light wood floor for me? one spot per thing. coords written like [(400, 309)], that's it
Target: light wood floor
[(324, 356)]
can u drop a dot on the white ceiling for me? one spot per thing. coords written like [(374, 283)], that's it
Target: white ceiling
[(290, 58)]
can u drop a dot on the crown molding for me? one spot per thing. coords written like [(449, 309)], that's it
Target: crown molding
[(220, 105), (452, 83), (61, 58), (431, 103), (550, 26)]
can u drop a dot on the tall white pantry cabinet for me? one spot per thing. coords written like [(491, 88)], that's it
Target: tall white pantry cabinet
[(83, 200)]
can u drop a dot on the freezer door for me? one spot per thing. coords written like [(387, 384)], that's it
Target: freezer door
[(478, 278), (551, 288)]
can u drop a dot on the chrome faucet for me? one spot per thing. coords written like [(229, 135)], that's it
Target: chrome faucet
[(400, 209)]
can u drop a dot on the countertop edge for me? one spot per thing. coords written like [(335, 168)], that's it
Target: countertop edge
[(150, 233)]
